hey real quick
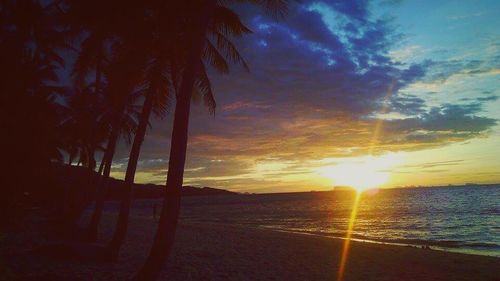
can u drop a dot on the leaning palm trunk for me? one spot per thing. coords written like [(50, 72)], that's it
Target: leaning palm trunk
[(167, 225), (101, 167), (91, 234), (122, 224), (168, 219)]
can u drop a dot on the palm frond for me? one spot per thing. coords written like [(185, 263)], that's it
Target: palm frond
[(205, 89), (227, 22), (215, 58), (229, 50), (275, 8)]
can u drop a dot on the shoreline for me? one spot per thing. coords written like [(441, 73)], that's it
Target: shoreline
[(207, 251), (457, 249)]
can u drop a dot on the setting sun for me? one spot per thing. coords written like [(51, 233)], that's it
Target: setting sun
[(361, 173)]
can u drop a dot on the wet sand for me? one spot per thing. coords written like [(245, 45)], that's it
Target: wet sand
[(221, 252)]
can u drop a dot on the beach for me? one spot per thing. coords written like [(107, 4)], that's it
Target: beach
[(208, 251), (250, 140)]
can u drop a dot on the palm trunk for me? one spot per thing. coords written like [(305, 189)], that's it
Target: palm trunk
[(91, 153), (91, 234), (168, 219), (91, 160), (98, 76), (122, 224), (70, 160), (165, 234), (101, 166), (82, 195)]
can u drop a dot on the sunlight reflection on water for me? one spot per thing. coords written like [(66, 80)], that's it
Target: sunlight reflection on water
[(456, 219)]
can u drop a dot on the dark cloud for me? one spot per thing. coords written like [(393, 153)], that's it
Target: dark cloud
[(487, 98), (303, 58), (391, 2), (299, 24), (355, 9), (408, 104), (440, 71), (447, 123)]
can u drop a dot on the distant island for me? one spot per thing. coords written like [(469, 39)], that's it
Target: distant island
[(348, 188)]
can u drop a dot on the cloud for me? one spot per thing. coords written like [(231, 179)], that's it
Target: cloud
[(241, 105), (317, 81), (408, 104), (407, 52), (435, 164), (445, 124), (487, 98), (465, 16)]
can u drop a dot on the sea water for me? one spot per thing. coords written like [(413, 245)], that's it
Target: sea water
[(462, 219)]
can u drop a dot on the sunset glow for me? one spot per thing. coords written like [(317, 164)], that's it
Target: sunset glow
[(361, 173), (426, 93)]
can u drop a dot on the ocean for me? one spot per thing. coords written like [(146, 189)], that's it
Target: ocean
[(460, 219)]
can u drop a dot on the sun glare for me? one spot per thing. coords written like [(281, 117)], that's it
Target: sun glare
[(361, 173)]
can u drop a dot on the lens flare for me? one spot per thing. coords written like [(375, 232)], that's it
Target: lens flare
[(347, 241), (376, 132)]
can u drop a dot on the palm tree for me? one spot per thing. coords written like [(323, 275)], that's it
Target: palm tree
[(157, 96), (201, 20), (160, 83), (92, 56), (96, 112), (156, 90), (29, 97), (83, 129), (124, 75), (103, 26)]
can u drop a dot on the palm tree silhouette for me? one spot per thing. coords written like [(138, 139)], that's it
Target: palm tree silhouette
[(151, 51), (83, 128), (29, 98), (162, 78), (203, 19), (123, 75), (104, 26)]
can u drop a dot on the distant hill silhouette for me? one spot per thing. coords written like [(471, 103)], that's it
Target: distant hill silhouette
[(78, 178), (156, 191)]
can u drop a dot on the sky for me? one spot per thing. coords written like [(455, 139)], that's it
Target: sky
[(369, 93)]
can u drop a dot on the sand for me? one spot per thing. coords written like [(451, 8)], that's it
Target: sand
[(228, 252)]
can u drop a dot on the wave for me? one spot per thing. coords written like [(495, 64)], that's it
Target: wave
[(490, 249)]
